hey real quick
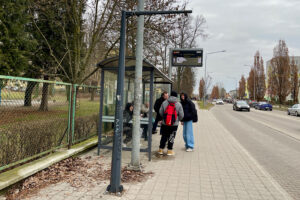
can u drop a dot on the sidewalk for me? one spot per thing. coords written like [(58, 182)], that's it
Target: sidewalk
[(219, 168)]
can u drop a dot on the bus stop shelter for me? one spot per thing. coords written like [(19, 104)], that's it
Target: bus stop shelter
[(151, 75)]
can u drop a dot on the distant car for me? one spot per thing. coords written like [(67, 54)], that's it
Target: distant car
[(253, 104), (294, 110), (241, 105), (264, 106), (220, 102)]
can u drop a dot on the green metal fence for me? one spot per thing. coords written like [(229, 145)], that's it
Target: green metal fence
[(39, 116)]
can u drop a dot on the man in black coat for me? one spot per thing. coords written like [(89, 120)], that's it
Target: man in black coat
[(157, 104)]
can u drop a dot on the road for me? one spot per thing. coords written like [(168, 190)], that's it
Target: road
[(272, 138)]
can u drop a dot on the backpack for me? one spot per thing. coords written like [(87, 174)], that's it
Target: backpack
[(170, 114)]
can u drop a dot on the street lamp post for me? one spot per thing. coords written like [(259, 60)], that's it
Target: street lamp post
[(115, 179), (205, 78)]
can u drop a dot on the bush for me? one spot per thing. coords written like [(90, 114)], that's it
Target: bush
[(85, 127), (25, 139)]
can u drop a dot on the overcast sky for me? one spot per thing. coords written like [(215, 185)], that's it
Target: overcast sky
[(242, 27)]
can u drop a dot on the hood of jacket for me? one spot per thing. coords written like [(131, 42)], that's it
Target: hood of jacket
[(185, 98), (172, 99)]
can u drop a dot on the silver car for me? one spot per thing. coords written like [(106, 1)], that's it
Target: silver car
[(294, 110)]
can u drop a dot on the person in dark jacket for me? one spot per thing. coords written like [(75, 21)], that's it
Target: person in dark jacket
[(127, 127), (190, 115), (164, 96)]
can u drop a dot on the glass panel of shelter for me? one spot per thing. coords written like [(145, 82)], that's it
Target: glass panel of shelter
[(109, 97)]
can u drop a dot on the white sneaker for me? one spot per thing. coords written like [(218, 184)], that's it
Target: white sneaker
[(189, 150)]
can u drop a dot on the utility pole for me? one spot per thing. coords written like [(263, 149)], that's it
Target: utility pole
[(135, 153)]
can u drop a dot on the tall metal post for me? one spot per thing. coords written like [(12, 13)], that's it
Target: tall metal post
[(115, 179), (150, 115), (71, 117), (100, 111), (128, 88), (136, 138), (170, 68), (205, 80), (144, 92), (254, 82)]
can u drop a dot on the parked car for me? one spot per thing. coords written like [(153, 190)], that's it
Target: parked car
[(294, 110), (219, 102), (241, 105), (264, 106), (253, 104)]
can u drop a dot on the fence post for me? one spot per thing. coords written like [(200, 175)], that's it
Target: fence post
[(73, 111), (70, 138)]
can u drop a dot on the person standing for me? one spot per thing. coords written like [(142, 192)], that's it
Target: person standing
[(144, 114), (164, 96), (190, 116), (127, 126), (171, 112)]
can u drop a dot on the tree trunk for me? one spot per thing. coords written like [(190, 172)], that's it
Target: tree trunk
[(93, 90), (44, 101), (93, 94), (28, 93)]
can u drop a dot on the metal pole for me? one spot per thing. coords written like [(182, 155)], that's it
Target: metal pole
[(150, 116), (254, 82), (144, 95), (205, 80), (170, 68), (71, 117), (100, 111), (128, 88), (115, 179), (135, 153)]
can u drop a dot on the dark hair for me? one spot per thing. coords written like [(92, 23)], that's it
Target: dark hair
[(185, 96), (128, 105), (174, 94), (162, 94)]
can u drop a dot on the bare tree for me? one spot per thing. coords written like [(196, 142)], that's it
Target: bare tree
[(188, 81), (242, 87), (250, 84), (280, 67), (184, 35), (294, 81), (201, 88), (215, 92), (259, 73)]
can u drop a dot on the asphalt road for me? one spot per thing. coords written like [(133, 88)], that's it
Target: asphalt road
[(272, 138)]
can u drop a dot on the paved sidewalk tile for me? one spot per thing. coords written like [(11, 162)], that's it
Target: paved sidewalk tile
[(218, 168)]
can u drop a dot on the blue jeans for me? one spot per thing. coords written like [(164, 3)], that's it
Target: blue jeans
[(188, 135)]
